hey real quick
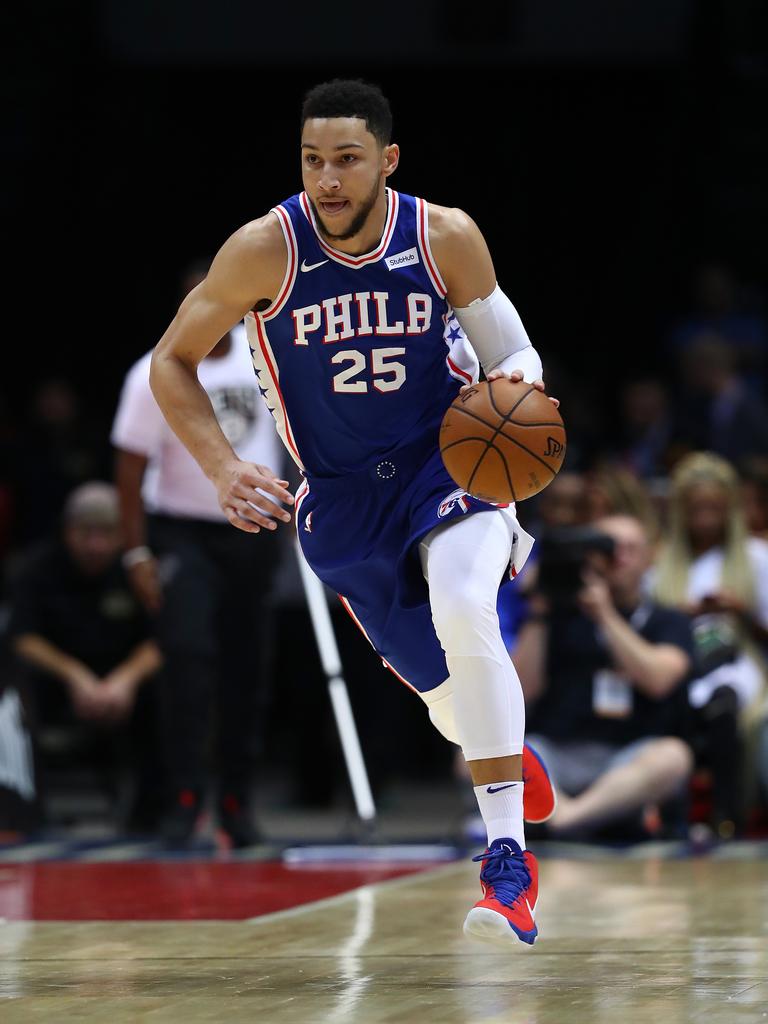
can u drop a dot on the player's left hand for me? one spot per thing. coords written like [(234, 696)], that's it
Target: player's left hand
[(515, 376)]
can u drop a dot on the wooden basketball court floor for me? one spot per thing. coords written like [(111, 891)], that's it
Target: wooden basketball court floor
[(622, 939)]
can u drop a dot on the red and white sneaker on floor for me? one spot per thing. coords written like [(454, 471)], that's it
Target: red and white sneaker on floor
[(539, 799), (509, 878)]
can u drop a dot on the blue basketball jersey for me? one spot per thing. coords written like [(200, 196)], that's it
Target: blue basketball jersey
[(358, 355)]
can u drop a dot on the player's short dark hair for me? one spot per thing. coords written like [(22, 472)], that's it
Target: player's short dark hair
[(346, 97)]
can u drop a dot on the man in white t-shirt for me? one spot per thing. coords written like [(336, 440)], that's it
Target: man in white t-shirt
[(205, 583)]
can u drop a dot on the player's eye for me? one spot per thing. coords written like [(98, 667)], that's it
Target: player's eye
[(348, 158), (312, 159)]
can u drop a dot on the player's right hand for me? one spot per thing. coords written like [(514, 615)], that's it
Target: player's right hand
[(517, 375), (240, 486)]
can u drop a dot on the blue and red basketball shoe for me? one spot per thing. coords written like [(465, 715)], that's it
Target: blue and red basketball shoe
[(509, 878), (539, 800)]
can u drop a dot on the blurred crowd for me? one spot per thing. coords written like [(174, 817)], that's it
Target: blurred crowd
[(161, 666)]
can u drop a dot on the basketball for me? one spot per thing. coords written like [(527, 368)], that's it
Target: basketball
[(502, 440)]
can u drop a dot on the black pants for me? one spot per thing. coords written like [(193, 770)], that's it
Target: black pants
[(213, 632), (719, 746), (103, 756)]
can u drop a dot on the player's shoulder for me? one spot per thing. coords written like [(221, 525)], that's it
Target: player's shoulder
[(251, 263), (262, 237), (450, 222), (453, 235)]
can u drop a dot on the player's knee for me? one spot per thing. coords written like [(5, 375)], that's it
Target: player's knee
[(462, 616), (441, 716)]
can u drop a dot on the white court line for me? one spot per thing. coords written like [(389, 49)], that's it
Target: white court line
[(35, 851), (128, 852), (352, 894)]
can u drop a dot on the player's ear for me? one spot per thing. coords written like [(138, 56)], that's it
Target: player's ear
[(390, 156)]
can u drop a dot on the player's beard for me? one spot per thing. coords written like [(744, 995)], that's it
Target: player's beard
[(358, 221)]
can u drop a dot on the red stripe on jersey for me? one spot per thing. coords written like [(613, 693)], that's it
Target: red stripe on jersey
[(360, 626), (290, 274), (398, 676), (458, 370), (357, 622), (429, 262), (273, 375)]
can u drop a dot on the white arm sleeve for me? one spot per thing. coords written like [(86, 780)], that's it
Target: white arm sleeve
[(496, 333)]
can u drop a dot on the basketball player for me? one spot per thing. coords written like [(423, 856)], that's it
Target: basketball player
[(367, 311)]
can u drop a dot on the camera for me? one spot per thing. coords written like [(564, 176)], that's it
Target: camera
[(564, 553)]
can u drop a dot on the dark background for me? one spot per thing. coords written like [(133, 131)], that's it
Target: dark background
[(606, 148)]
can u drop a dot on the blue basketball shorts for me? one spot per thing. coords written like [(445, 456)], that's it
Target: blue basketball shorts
[(360, 534)]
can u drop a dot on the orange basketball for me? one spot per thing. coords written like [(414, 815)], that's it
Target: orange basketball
[(502, 441)]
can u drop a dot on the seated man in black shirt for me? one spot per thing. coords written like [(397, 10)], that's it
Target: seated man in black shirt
[(85, 645), (602, 669)]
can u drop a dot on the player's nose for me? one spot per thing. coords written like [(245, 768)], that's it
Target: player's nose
[(328, 181)]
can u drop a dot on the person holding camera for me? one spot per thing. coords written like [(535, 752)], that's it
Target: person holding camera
[(603, 669)]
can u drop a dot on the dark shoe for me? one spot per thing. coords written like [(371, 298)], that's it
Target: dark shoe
[(235, 819), (178, 825)]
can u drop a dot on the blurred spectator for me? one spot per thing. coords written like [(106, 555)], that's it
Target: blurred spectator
[(59, 443), (754, 494), (712, 569), (602, 669), (722, 306), (562, 503), (646, 437), (85, 647), (716, 410), (207, 584), (762, 757), (19, 810), (611, 490), (7, 436)]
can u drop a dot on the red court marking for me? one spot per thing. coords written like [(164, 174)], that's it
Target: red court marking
[(173, 891)]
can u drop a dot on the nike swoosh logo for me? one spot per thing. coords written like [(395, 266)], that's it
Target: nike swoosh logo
[(311, 266), (497, 789)]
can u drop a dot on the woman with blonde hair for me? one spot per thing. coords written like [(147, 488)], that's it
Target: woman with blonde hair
[(709, 566)]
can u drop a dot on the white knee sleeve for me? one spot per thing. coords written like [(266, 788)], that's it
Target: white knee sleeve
[(440, 705), (464, 563)]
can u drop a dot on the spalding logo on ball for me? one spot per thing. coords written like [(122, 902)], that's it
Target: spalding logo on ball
[(502, 440)]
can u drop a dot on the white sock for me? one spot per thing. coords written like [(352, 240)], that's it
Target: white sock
[(501, 806)]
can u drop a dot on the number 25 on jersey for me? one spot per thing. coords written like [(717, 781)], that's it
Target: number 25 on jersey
[(386, 373)]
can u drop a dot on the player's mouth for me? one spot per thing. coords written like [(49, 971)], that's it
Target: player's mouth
[(332, 207)]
